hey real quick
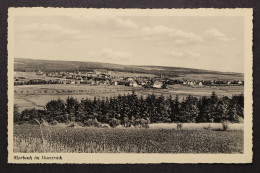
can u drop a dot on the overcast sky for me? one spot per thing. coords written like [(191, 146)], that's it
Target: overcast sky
[(214, 43)]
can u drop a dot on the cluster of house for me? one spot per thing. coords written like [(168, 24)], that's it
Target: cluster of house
[(213, 83), (146, 82), (191, 83), (79, 75), (95, 77)]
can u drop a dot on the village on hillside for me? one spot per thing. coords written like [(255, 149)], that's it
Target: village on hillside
[(106, 77)]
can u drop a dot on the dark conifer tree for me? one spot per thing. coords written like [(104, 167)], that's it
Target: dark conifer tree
[(17, 115)]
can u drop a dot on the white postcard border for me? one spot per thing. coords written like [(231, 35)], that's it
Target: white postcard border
[(246, 157)]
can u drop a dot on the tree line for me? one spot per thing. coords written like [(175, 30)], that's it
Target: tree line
[(131, 108), (37, 82)]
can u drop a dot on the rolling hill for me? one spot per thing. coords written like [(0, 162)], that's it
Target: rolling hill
[(30, 65)]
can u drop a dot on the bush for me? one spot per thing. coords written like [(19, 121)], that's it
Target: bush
[(126, 122), (225, 125), (75, 124), (137, 123), (179, 126), (114, 122), (71, 124), (33, 122), (92, 123), (79, 124), (105, 126), (54, 122), (240, 120), (132, 121), (21, 122), (144, 123), (209, 127)]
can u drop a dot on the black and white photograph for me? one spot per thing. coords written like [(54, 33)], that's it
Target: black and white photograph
[(129, 86)]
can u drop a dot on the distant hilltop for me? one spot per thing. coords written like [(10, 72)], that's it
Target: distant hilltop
[(32, 65)]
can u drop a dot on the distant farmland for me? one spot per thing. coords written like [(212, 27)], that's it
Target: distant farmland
[(37, 96), (29, 96)]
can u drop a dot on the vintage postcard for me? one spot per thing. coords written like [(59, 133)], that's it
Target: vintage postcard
[(129, 85)]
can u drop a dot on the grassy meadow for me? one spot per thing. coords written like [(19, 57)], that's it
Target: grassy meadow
[(64, 139)]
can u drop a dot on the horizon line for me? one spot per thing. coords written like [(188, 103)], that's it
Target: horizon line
[(131, 65)]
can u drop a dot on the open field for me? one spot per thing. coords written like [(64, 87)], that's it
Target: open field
[(27, 138), (32, 75), (224, 77), (38, 95), (29, 96), (197, 126)]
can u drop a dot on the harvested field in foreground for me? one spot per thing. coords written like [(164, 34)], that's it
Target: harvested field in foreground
[(27, 138)]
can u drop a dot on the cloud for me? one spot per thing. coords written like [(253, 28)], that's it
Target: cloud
[(34, 27), (49, 32), (125, 23), (104, 22), (109, 55), (183, 55), (156, 30), (214, 34), (72, 28), (163, 35)]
